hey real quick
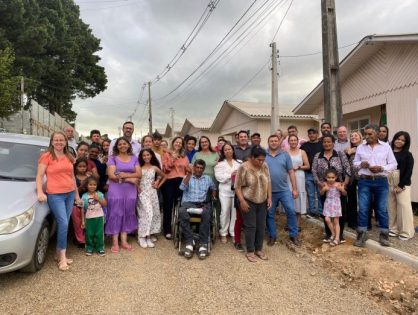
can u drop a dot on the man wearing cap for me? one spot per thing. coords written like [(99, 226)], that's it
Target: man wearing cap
[(312, 147), (255, 139)]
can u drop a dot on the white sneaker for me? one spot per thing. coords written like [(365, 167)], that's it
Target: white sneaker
[(154, 238), (143, 242), (150, 243)]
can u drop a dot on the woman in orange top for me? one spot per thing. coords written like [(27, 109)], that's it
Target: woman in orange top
[(175, 164), (57, 165)]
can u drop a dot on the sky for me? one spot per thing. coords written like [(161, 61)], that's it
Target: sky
[(140, 37)]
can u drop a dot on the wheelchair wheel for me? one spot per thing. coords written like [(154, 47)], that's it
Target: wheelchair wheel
[(175, 226), (214, 226)]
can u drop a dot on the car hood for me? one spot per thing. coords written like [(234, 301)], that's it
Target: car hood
[(16, 197)]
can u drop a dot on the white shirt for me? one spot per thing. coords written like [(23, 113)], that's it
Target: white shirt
[(72, 143), (341, 146), (136, 147), (381, 155), (223, 173)]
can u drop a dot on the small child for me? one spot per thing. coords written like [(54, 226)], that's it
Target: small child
[(93, 218), (80, 171), (148, 207), (332, 206)]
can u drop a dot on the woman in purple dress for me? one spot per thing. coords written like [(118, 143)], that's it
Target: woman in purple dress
[(124, 173)]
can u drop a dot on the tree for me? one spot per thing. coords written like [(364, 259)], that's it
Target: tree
[(54, 50), (9, 85)]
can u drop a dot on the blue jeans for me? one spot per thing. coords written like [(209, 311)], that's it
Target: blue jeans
[(61, 206), (379, 189), (315, 205), (286, 199)]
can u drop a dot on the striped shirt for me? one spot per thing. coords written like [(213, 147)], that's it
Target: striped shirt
[(197, 189)]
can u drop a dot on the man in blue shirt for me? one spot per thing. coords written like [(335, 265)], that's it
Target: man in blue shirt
[(195, 189), (280, 167)]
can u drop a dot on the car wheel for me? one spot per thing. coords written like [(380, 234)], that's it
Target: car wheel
[(41, 247)]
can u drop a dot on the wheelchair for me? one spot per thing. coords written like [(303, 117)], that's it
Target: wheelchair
[(195, 220)]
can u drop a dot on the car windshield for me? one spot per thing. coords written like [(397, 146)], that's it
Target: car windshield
[(19, 161)]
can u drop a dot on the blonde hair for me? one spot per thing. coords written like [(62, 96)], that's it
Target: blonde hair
[(66, 150), (359, 134)]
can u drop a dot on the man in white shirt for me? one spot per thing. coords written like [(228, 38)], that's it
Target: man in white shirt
[(375, 159), (128, 130), (69, 132), (342, 143)]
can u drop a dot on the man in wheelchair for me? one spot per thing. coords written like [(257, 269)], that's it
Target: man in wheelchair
[(196, 188)]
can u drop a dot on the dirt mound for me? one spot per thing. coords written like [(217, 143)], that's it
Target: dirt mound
[(389, 283)]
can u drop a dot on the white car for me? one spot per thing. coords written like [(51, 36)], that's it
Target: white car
[(25, 223)]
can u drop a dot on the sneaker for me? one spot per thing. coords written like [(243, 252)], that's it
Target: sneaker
[(150, 243), (295, 241), (308, 216), (203, 252), (101, 253), (188, 251), (392, 234), (238, 247), (168, 236), (326, 239), (361, 239), (402, 238), (384, 239), (143, 242), (342, 240), (89, 253), (154, 238)]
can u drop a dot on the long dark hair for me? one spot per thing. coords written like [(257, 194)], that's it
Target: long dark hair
[(222, 155), (407, 140), (210, 145), (115, 147), (387, 133), (154, 161), (78, 161), (182, 145)]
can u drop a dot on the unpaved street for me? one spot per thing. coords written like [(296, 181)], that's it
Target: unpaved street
[(156, 281)]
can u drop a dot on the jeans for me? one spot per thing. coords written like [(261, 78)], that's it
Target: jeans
[(254, 225), (61, 206), (171, 192), (315, 206), (378, 189), (204, 226), (286, 199)]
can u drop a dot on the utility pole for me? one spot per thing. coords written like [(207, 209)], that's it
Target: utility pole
[(275, 115), (149, 109), (172, 112), (22, 100), (331, 68)]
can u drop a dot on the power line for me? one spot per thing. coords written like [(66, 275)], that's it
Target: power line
[(317, 52), (210, 54), (238, 41), (281, 22), (189, 40)]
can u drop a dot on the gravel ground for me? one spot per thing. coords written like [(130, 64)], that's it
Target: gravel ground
[(156, 281)]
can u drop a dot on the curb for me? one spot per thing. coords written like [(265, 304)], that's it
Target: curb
[(392, 252)]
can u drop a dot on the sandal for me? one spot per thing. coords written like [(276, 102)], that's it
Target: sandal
[(334, 243), (62, 266), (251, 257), (261, 255), (115, 249), (203, 252), (127, 247), (188, 252), (69, 260)]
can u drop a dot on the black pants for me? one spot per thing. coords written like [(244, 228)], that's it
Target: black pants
[(254, 225), (342, 218), (171, 193), (352, 204), (204, 226)]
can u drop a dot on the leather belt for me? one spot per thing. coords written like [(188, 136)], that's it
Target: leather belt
[(372, 177)]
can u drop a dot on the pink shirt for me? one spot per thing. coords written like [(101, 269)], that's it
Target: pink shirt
[(380, 155), (285, 143)]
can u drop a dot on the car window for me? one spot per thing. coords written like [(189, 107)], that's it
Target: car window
[(19, 161)]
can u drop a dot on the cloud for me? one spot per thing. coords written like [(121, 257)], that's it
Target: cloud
[(139, 38)]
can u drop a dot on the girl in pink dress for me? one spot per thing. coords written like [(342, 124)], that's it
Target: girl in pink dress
[(332, 206)]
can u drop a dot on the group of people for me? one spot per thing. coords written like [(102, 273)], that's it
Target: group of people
[(116, 187)]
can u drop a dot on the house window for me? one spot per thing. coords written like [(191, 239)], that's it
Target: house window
[(358, 124)]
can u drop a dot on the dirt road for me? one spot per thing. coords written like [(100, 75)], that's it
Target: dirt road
[(156, 281)]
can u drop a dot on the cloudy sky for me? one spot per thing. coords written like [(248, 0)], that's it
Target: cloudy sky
[(141, 37)]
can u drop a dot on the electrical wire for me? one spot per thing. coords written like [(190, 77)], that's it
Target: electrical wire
[(281, 22), (317, 52), (210, 54)]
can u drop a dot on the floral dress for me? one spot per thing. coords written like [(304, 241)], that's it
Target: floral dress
[(332, 205), (148, 207)]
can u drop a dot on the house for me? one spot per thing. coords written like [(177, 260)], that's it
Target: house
[(379, 84), (198, 128), (255, 117)]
